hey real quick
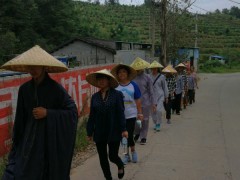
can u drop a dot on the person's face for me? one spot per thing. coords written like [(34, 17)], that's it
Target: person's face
[(140, 71), (36, 71), (154, 70), (103, 82), (168, 75), (122, 74)]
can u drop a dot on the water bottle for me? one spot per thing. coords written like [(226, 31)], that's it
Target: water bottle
[(139, 123), (124, 143)]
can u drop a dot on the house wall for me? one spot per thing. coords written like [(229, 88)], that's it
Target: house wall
[(128, 56), (86, 54)]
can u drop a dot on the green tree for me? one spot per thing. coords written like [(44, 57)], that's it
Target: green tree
[(235, 11), (18, 17), (57, 21), (8, 46)]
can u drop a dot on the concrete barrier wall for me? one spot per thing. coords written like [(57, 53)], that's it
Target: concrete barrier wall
[(74, 81)]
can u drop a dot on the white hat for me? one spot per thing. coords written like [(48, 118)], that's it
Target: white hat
[(91, 78), (35, 56)]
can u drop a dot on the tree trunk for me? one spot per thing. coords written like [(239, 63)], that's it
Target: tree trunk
[(152, 15), (163, 57)]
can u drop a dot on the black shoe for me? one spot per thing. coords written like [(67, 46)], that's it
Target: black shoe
[(136, 137), (178, 113), (120, 175), (143, 141)]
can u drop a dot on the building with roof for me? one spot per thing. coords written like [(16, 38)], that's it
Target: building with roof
[(89, 51)]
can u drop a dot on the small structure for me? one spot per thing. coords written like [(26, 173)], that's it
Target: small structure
[(127, 52), (87, 51), (221, 59), (190, 55)]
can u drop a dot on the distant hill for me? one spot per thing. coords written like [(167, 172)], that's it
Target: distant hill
[(217, 33)]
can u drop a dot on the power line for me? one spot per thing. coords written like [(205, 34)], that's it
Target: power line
[(200, 8), (235, 1)]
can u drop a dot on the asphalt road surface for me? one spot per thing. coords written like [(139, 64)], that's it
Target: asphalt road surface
[(203, 143)]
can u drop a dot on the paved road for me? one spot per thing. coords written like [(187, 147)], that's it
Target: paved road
[(203, 143)]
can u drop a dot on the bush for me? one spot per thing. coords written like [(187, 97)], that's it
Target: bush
[(212, 63)]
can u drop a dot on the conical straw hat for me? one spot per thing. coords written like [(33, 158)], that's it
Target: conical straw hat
[(139, 64), (180, 65), (155, 64), (169, 69), (132, 72), (91, 78), (35, 56)]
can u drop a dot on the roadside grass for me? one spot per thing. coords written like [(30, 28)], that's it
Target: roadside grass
[(3, 162), (214, 67), (81, 142)]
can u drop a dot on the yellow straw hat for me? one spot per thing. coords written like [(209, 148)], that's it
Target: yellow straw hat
[(180, 65), (132, 73), (155, 64), (169, 69), (91, 78), (139, 64), (35, 56)]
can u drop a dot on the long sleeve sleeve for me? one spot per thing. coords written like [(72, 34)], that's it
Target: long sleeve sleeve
[(151, 91), (120, 108), (165, 88), (91, 120), (61, 131)]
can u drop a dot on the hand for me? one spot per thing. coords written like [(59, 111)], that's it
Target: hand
[(183, 94), (125, 134), (140, 117), (39, 112), (89, 138), (166, 100), (154, 108)]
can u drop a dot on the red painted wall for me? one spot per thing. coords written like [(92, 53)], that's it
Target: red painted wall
[(74, 81)]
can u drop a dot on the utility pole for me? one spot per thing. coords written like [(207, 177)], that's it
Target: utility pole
[(196, 31), (163, 57), (153, 23)]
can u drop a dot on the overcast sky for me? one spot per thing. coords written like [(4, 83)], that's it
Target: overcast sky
[(200, 6), (212, 5)]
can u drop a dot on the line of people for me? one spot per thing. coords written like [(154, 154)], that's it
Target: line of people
[(128, 94)]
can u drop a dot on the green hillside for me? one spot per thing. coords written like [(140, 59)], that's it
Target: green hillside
[(217, 33), (51, 23)]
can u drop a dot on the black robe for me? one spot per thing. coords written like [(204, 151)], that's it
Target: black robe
[(43, 149)]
